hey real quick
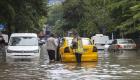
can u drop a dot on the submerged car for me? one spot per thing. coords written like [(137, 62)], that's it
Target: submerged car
[(122, 44), (107, 44), (67, 55), (23, 45)]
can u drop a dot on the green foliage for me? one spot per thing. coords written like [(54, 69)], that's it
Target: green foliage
[(7, 12), (73, 13), (23, 15), (126, 15), (96, 16), (87, 16), (55, 18), (55, 13)]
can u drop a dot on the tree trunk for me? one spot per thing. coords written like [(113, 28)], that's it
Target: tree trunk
[(9, 30)]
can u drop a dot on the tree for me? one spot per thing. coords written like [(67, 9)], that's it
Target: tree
[(55, 12), (55, 18), (87, 15), (126, 15), (23, 15)]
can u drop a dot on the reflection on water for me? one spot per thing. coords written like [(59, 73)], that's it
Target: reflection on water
[(108, 67), (125, 54), (85, 65), (21, 60)]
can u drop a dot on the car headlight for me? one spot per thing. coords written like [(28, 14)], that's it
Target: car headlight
[(36, 51)]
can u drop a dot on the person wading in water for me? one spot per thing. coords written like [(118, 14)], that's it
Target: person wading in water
[(77, 47), (51, 47)]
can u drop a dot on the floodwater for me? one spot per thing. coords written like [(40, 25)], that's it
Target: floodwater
[(109, 67)]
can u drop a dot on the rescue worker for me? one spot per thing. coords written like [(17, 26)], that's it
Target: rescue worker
[(77, 47)]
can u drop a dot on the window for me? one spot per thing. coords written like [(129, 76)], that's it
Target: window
[(109, 42), (62, 42), (24, 41), (69, 42), (86, 42), (126, 41)]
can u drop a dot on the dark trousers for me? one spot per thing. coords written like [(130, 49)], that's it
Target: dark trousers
[(78, 57), (57, 54), (51, 54)]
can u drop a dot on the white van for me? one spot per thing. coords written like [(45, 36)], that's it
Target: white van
[(99, 41), (23, 45)]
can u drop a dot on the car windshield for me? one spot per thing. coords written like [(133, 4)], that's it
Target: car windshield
[(84, 41), (24, 41), (109, 41), (126, 41), (69, 42)]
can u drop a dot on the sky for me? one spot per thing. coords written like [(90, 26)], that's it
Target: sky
[(55, 1)]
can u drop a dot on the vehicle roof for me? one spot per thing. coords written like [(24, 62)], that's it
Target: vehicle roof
[(85, 38), (68, 37), (72, 38), (99, 35), (124, 39), (23, 34)]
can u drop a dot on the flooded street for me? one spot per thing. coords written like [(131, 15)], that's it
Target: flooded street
[(104, 31), (108, 67)]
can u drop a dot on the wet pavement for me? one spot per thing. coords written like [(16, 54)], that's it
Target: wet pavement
[(110, 66)]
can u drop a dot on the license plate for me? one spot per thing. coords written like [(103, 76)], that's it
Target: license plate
[(128, 46), (22, 60)]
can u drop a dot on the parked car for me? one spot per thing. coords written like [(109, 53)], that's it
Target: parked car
[(67, 55), (107, 44), (23, 45), (99, 41), (122, 44)]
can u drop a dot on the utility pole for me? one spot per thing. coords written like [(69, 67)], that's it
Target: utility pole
[(112, 36)]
